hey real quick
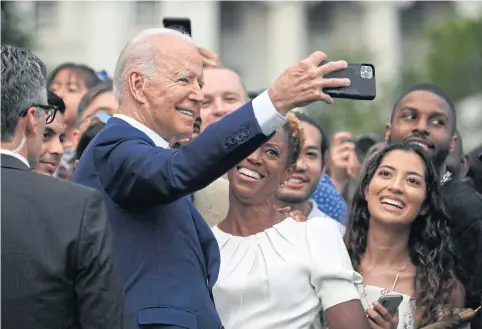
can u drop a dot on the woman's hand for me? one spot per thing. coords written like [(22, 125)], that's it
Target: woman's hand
[(380, 318)]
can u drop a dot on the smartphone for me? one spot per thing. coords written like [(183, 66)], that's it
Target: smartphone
[(391, 302), (179, 24), (363, 82)]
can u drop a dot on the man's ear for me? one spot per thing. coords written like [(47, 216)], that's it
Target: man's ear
[(464, 165), (453, 142), (136, 84), (75, 137), (388, 131), (31, 120)]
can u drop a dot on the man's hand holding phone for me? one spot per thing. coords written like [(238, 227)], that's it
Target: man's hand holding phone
[(380, 318)]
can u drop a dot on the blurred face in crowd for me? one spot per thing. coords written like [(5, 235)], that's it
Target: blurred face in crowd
[(70, 87), (52, 147), (104, 102), (309, 168), (397, 191), (256, 178), (171, 101), (425, 119), (223, 94)]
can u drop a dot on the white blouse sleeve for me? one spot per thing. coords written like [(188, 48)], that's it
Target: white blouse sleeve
[(332, 273)]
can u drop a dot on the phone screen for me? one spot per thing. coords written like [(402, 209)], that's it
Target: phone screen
[(179, 24)]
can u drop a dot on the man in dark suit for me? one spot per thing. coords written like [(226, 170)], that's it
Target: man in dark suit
[(168, 256), (57, 265)]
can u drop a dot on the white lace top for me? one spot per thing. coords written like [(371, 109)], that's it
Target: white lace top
[(280, 277)]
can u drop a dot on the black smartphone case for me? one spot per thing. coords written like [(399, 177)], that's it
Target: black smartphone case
[(363, 82)]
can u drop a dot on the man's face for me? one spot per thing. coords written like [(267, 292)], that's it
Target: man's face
[(52, 147), (425, 119), (104, 101), (172, 100), (223, 94), (309, 168)]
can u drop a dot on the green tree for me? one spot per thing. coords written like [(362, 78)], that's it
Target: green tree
[(12, 33), (454, 59)]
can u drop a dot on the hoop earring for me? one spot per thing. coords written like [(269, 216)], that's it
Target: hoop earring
[(282, 184)]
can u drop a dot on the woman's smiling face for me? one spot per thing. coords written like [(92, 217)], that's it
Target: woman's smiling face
[(257, 177)]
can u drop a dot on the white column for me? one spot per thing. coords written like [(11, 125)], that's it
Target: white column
[(204, 17), (106, 26), (286, 36), (469, 9), (382, 35)]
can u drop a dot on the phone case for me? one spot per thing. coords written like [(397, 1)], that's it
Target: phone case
[(180, 24), (391, 302), (363, 82)]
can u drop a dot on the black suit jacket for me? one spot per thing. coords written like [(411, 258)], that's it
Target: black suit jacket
[(57, 265)]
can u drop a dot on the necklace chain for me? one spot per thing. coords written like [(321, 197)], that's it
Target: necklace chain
[(447, 177)]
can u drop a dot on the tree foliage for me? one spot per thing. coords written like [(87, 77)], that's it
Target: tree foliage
[(12, 32)]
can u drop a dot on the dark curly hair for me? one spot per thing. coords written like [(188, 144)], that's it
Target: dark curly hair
[(430, 246), (294, 133)]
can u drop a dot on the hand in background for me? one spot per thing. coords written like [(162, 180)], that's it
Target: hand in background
[(342, 155)]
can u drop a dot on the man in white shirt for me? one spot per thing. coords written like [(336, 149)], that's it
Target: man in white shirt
[(296, 191)]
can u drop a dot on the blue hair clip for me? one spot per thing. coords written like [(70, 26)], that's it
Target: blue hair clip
[(102, 75)]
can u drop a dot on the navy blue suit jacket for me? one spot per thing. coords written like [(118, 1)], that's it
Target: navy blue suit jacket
[(168, 257)]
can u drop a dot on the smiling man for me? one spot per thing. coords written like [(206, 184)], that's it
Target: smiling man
[(425, 116), (53, 139), (310, 166)]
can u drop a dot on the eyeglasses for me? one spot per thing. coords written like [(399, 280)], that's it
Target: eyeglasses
[(50, 111)]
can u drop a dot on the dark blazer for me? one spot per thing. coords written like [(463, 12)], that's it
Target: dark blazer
[(57, 258), (168, 256)]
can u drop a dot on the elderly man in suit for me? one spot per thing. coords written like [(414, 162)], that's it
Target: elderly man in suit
[(57, 259), (169, 259)]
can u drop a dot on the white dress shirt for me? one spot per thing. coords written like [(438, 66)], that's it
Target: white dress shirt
[(268, 118), (281, 277)]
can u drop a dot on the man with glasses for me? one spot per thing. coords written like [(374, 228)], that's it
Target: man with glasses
[(57, 264), (53, 138)]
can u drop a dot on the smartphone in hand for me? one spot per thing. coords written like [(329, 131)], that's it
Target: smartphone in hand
[(391, 302), (363, 82)]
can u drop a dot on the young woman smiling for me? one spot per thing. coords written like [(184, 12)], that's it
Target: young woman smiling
[(398, 238), (277, 272)]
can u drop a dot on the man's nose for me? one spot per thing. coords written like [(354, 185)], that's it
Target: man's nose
[(300, 165), (196, 95), (421, 126), (57, 148)]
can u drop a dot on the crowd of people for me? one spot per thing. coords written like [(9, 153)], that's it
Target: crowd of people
[(171, 197)]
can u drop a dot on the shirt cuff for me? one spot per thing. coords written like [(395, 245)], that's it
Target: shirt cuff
[(268, 118)]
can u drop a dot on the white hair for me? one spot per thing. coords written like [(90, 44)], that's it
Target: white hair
[(139, 53)]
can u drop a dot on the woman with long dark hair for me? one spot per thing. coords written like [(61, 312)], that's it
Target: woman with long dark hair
[(277, 272), (398, 238)]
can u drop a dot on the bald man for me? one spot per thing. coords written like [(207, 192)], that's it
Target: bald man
[(169, 258)]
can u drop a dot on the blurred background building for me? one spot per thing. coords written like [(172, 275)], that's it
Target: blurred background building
[(260, 39)]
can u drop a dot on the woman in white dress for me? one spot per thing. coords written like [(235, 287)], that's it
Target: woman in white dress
[(276, 272), (398, 238)]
